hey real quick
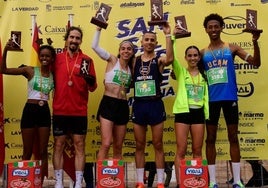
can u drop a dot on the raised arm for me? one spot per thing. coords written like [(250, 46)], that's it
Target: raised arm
[(169, 48), (11, 71), (95, 46), (256, 58)]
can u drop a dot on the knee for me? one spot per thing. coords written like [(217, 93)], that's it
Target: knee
[(140, 145), (158, 146), (211, 139)]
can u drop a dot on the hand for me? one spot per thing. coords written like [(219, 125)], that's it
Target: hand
[(166, 28), (9, 45), (172, 74), (91, 80), (255, 36)]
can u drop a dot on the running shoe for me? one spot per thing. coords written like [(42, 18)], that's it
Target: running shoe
[(139, 185), (213, 185), (160, 185), (238, 185)]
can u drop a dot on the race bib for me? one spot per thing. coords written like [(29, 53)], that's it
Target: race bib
[(145, 88), (217, 75)]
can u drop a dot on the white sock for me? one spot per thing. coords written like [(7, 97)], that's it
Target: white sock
[(79, 179), (212, 173), (140, 174), (236, 172), (160, 175), (58, 176)]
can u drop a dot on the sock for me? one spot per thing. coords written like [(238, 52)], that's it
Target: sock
[(79, 179), (212, 173), (58, 176), (160, 175), (140, 174), (236, 171)]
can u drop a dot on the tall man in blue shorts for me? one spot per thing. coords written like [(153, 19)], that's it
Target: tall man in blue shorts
[(148, 108), (218, 59)]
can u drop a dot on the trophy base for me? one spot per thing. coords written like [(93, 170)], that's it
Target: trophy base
[(252, 30), (182, 35), (157, 22), (99, 23)]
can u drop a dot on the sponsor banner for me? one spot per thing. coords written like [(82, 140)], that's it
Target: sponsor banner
[(128, 20)]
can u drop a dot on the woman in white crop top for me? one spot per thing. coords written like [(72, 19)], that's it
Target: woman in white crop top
[(113, 112), (36, 118)]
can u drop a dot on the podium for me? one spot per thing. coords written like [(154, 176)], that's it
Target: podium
[(193, 173)]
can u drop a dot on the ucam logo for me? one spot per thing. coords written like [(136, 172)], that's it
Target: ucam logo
[(234, 25)]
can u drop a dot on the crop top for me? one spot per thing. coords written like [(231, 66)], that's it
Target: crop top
[(39, 86), (118, 76)]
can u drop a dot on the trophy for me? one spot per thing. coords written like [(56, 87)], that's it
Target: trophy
[(180, 23), (157, 17), (101, 16), (15, 41), (251, 22)]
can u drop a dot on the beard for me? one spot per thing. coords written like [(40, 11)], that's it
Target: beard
[(73, 47)]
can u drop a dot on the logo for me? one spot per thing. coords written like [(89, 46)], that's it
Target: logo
[(110, 171), (110, 182), (131, 5), (187, 2), (194, 171), (24, 9), (21, 173), (194, 182), (234, 25), (245, 90), (213, 1), (20, 183), (240, 4), (50, 8)]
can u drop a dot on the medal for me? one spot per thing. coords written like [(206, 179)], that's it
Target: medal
[(70, 83), (41, 103)]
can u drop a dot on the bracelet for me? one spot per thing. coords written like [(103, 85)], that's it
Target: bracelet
[(168, 35), (246, 58)]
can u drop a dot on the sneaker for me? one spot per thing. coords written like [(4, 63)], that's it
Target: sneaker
[(139, 185), (160, 185), (231, 181), (238, 185), (213, 185)]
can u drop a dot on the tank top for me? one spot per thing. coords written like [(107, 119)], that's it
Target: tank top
[(220, 70), (39, 86), (118, 76), (147, 77)]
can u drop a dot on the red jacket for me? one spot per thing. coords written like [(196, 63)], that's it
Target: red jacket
[(71, 99)]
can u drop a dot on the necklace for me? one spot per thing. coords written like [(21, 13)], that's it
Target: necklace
[(123, 80), (194, 84), (218, 52), (70, 82), (42, 94), (144, 71)]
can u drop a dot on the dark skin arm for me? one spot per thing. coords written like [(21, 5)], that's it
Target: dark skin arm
[(26, 71)]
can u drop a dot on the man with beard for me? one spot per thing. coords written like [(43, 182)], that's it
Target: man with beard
[(74, 77)]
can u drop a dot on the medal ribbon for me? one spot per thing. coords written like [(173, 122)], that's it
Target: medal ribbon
[(68, 68)]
